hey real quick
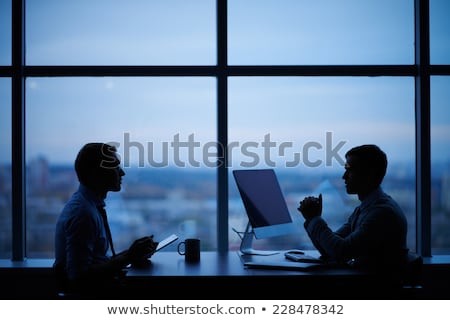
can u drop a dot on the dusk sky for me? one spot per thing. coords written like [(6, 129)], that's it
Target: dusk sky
[(64, 113)]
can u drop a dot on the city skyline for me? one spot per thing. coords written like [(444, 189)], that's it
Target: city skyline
[(159, 200)]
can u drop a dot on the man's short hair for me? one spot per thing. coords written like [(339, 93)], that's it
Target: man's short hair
[(92, 159), (371, 159)]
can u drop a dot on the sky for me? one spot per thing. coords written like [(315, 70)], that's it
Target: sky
[(64, 113)]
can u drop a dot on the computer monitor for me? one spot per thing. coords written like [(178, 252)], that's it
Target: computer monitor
[(265, 206)]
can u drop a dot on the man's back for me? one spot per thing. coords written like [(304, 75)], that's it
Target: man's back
[(379, 235), (80, 238)]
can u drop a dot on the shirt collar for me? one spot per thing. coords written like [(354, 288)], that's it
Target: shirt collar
[(91, 196), (374, 195)]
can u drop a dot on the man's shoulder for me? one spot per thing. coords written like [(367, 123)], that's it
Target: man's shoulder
[(387, 203), (78, 205), (76, 214), (385, 198)]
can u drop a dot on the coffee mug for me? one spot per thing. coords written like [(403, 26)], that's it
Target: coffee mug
[(190, 249)]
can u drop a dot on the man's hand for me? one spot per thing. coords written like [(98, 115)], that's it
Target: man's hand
[(311, 207), (142, 248)]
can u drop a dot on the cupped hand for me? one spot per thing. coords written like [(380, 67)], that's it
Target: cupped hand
[(311, 207)]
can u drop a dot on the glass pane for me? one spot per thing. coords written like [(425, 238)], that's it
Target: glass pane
[(105, 32), (5, 32), (439, 32), (324, 32), (168, 187), (5, 169), (302, 127), (440, 165)]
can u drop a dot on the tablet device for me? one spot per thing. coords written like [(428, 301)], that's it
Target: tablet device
[(164, 243), (301, 257)]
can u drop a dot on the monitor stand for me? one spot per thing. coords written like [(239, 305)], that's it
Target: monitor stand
[(247, 242)]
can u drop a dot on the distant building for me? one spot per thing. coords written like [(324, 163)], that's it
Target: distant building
[(445, 192), (38, 176)]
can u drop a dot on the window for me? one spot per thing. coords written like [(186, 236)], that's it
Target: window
[(439, 32), (190, 90), (107, 32), (440, 127), (5, 32), (151, 127), (440, 164), (5, 169), (292, 32), (303, 119)]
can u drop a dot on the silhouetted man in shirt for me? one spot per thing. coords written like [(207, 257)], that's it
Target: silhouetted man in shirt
[(374, 236), (82, 237)]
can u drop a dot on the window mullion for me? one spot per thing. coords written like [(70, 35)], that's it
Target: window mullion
[(423, 162), (18, 131), (222, 128)]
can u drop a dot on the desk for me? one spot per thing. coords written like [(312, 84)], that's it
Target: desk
[(223, 276)]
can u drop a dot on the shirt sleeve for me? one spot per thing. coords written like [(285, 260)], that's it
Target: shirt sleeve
[(346, 228), (344, 245)]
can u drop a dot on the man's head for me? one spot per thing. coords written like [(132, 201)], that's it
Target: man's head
[(98, 167), (365, 169)]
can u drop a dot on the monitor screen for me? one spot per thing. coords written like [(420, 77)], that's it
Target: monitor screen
[(264, 202)]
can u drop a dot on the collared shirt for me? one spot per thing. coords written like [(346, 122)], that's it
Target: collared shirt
[(80, 238), (373, 237)]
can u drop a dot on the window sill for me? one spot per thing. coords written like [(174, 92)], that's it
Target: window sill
[(436, 260), (27, 263)]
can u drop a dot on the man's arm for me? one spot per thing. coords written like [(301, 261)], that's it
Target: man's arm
[(141, 249), (346, 245)]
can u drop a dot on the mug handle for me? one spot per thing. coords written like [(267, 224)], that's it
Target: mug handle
[(178, 248)]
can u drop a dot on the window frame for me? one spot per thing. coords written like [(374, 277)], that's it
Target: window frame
[(421, 70)]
